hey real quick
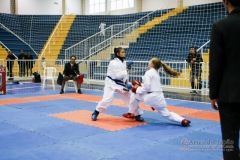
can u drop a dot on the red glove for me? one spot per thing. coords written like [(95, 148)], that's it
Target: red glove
[(136, 82), (134, 88)]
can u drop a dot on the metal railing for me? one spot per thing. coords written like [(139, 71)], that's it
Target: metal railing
[(25, 68), (5, 28), (202, 47), (7, 49), (81, 49), (117, 39), (49, 40), (95, 72)]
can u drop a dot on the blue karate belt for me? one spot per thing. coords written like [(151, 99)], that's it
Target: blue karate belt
[(119, 82)]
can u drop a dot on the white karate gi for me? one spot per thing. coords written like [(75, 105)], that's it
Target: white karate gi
[(151, 94), (102, 27), (116, 70)]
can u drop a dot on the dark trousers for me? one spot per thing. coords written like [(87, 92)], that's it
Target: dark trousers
[(230, 125), (196, 74), (66, 78), (10, 67), (30, 71), (21, 69)]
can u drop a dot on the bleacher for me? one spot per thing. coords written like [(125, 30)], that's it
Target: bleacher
[(37, 29), (13, 43), (85, 26), (33, 29), (170, 40)]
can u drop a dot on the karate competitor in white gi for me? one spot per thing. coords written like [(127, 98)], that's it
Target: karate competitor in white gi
[(114, 82), (150, 92)]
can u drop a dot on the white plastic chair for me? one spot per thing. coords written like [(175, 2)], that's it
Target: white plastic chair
[(74, 83), (49, 73)]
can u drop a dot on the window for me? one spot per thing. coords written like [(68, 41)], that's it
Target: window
[(121, 4), (96, 6)]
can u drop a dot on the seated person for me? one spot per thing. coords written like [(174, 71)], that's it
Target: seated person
[(71, 72)]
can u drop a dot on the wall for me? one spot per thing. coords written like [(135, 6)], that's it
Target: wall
[(54, 7), (197, 2), (135, 9), (40, 7), (5, 6), (73, 7), (151, 5)]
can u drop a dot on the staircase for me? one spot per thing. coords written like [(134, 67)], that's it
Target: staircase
[(132, 37), (151, 24), (3, 52), (54, 44)]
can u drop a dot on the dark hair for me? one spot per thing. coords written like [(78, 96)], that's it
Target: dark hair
[(117, 50), (195, 48), (235, 3), (73, 56)]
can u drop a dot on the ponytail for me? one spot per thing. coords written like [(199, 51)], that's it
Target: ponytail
[(169, 70), (157, 64), (117, 50)]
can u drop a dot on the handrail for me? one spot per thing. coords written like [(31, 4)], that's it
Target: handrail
[(51, 36), (133, 24), (87, 38), (145, 16), (108, 28), (203, 45), (109, 39), (8, 49), (4, 46), (95, 34), (7, 29)]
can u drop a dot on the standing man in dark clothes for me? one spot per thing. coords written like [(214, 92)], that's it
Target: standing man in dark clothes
[(71, 72), (29, 62), (194, 59), (21, 63), (225, 77), (10, 62)]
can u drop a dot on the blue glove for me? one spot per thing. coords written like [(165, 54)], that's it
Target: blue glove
[(129, 64), (129, 86)]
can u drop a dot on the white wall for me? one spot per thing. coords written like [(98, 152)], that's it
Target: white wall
[(73, 7), (115, 12), (40, 7), (197, 2), (151, 5), (5, 6)]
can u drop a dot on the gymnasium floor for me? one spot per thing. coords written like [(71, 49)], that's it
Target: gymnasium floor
[(39, 125)]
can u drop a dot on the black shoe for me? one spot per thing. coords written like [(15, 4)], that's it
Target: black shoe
[(79, 91), (61, 92), (139, 118), (95, 115), (193, 91)]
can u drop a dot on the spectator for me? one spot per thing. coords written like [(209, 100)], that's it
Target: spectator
[(71, 72), (194, 59), (102, 28), (225, 77), (29, 62), (21, 63), (10, 62)]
